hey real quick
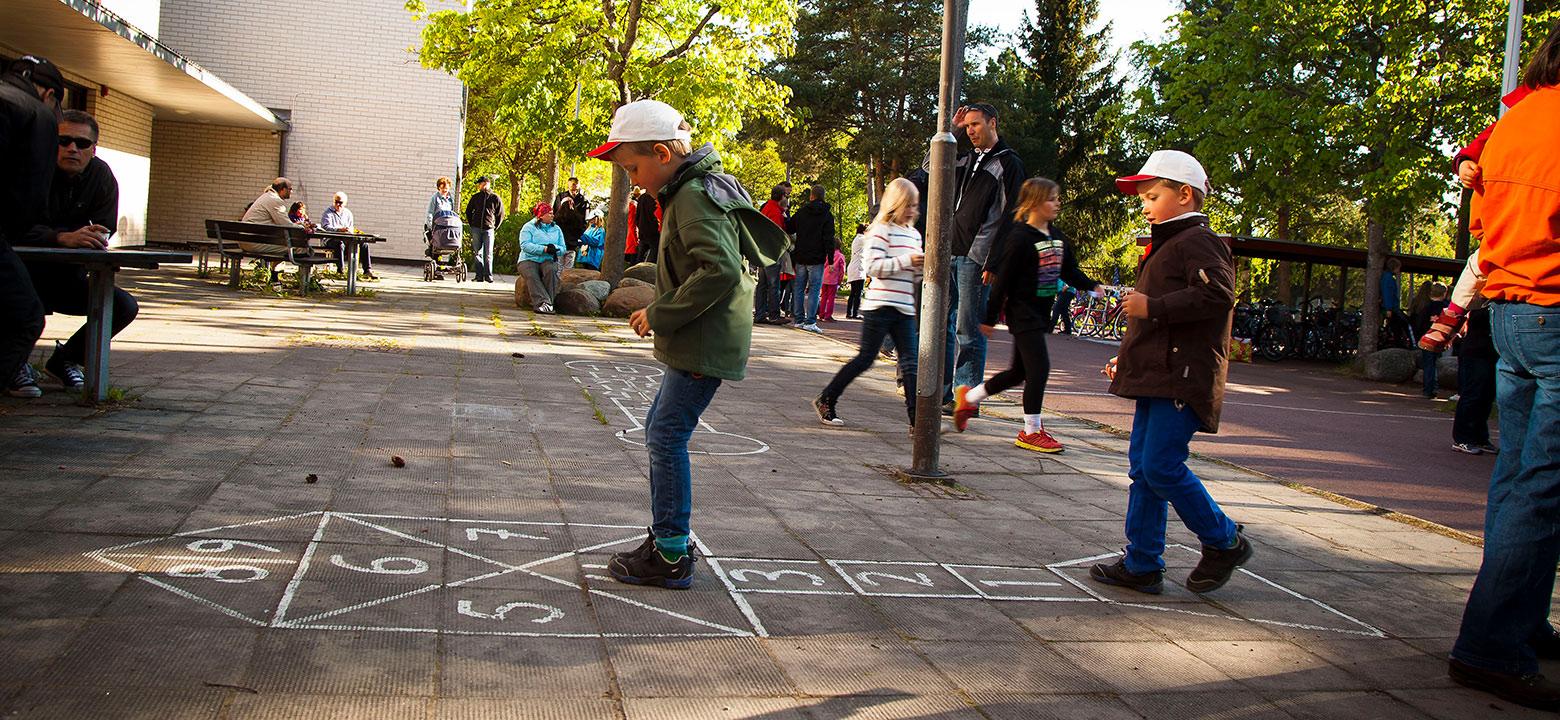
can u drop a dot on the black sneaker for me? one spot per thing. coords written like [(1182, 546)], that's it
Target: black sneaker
[(1217, 565), (1117, 574), (644, 565), (825, 410), (1534, 691), (70, 375), (24, 384)]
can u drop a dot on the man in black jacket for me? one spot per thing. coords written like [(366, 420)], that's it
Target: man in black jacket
[(484, 212), (84, 210), (30, 93), (986, 183), (569, 209), (815, 230)]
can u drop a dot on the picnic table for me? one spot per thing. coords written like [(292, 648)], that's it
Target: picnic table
[(101, 267), (350, 241)]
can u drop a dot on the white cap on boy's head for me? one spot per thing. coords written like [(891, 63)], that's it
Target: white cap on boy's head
[(643, 120), (1170, 165)]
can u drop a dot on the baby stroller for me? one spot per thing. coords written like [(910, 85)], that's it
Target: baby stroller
[(444, 248)]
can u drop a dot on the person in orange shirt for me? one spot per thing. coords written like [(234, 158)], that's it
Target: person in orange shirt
[(1516, 214)]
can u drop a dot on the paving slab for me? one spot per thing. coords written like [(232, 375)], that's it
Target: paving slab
[(236, 542)]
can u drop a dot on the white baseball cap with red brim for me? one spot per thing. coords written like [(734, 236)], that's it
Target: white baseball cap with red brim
[(1170, 165), (642, 120)]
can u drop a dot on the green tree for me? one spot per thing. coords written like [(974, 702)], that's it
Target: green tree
[(528, 59), (1063, 109)]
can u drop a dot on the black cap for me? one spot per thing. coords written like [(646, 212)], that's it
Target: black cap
[(40, 72)]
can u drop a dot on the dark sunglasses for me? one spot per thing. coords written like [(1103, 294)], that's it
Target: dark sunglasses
[(81, 142)]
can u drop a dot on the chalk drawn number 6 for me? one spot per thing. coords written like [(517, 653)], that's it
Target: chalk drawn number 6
[(382, 566)]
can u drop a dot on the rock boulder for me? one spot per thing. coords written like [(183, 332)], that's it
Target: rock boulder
[(625, 300)]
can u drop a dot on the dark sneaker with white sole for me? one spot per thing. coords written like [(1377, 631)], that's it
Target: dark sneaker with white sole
[(1217, 565), (70, 375), (24, 384), (825, 409), (645, 565), (1534, 691), (1117, 574)]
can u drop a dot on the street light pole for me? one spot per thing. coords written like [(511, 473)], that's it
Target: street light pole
[(935, 288), (1508, 78)]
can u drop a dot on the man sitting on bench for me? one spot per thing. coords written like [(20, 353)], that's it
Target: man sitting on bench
[(271, 209), (84, 208)]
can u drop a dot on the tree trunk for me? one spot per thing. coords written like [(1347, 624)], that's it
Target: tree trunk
[(1283, 275), (612, 260), (516, 181), (1375, 259), (550, 177)]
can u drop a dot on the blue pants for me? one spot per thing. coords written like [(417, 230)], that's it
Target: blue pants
[(674, 415), (1509, 603), (1427, 363), (1156, 463), (877, 325), (766, 297), (482, 253), (805, 294), (966, 310)]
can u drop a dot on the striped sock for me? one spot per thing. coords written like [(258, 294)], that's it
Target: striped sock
[(1032, 423), (672, 548)]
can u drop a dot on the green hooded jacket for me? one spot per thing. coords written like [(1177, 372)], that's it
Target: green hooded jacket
[(702, 316)]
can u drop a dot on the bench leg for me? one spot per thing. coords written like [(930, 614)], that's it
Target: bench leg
[(202, 257), (303, 278), (100, 323), (351, 248), (234, 268)]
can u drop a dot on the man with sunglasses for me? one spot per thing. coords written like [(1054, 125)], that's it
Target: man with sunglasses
[(30, 92), (84, 211)]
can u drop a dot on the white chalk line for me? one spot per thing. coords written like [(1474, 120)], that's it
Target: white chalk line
[(280, 615), (742, 604), (604, 383)]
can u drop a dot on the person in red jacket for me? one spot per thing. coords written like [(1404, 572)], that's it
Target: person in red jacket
[(1516, 214), (766, 308)]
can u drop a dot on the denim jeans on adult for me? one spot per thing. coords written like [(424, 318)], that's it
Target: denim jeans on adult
[(1427, 362), (766, 297), (1156, 463), (1509, 603), (482, 253), (876, 325), (674, 415), (966, 310), (805, 294), (21, 314), (1475, 398)]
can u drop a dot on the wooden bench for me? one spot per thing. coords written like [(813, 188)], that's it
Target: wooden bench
[(101, 266), (229, 235), (201, 249)]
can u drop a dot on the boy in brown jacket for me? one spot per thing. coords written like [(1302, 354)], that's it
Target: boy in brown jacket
[(1173, 363)]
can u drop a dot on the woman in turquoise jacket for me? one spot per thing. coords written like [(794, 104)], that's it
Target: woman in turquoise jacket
[(541, 242)]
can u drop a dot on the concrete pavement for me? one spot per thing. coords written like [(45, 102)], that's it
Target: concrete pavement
[(236, 543)]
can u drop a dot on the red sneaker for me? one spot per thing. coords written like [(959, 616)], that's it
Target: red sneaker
[(1038, 441), (963, 409)]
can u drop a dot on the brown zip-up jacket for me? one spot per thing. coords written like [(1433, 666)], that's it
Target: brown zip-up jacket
[(1181, 350)]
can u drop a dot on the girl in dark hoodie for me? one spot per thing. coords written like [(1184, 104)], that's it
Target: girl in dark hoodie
[(1037, 254)]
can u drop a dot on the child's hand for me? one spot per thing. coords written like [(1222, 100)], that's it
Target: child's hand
[(640, 322), (917, 260), (1468, 173), (987, 330), (1135, 304), (1109, 371)]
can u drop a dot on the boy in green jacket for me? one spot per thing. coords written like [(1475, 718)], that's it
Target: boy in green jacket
[(702, 315)]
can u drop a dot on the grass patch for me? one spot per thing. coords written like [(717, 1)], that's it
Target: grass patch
[(540, 332), (497, 318), (350, 342), (594, 408)]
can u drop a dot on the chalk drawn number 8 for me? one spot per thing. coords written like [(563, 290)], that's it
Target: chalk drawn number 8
[(215, 572)]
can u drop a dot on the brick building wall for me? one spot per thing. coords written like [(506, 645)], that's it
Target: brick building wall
[(205, 171), (366, 118)]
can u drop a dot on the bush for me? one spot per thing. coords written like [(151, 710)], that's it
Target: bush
[(506, 244)]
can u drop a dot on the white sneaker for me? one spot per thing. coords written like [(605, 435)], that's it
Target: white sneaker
[(813, 328), (545, 309)]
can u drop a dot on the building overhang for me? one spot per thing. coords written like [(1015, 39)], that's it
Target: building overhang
[(87, 40)]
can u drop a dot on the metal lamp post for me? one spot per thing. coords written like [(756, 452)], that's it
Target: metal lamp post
[(935, 289)]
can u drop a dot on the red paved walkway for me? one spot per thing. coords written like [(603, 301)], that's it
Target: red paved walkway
[(1304, 422)]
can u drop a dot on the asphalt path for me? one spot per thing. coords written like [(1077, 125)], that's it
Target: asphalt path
[(1297, 421)]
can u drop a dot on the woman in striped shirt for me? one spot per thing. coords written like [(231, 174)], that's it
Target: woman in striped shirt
[(892, 261)]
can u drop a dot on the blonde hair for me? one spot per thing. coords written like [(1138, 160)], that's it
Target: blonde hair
[(680, 148), (1032, 193), (442, 183), (900, 196)]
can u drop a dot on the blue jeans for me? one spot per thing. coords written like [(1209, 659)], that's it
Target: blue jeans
[(766, 297), (1427, 363), (482, 253), (673, 417), (805, 292), (1509, 603), (966, 310), (877, 325), (1156, 463)]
